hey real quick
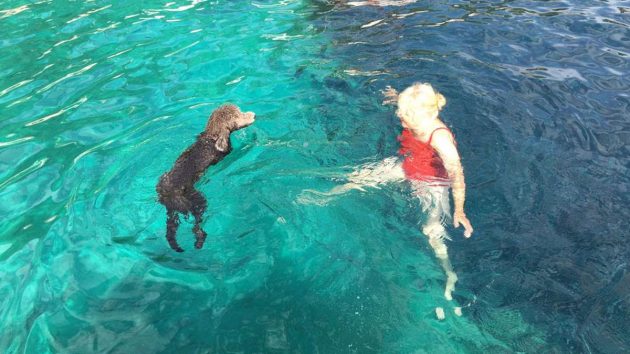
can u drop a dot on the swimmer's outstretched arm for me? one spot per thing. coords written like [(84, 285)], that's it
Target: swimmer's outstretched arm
[(391, 95), (444, 144)]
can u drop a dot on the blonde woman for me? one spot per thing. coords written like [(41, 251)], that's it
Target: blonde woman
[(430, 162)]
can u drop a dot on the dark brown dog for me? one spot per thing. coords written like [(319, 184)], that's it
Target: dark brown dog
[(176, 189)]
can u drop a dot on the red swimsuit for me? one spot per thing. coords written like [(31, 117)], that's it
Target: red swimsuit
[(421, 161)]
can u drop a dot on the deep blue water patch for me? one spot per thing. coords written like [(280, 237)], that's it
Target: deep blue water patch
[(538, 99)]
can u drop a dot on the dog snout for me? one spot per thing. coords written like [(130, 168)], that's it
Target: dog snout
[(250, 117)]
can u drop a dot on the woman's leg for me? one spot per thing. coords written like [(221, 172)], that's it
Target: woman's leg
[(435, 203), (370, 174), (375, 173)]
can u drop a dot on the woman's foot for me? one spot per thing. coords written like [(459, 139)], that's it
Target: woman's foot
[(439, 313)]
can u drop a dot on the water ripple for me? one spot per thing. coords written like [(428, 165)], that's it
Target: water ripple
[(14, 11), (13, 87), (66, 77), (58, 113), (16, 141), (88, 13), (20, 174)]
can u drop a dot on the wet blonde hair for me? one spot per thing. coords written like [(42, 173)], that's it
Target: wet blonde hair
[(420, 101)]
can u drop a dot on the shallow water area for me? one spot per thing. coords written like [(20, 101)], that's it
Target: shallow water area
[(99, 99)]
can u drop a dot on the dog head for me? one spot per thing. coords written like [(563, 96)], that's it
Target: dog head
[(225, 120)]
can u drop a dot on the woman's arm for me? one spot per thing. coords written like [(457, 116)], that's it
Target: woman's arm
[(391, 95), (444, 144)]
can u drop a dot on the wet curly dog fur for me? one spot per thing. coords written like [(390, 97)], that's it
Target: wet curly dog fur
[(176, 188)]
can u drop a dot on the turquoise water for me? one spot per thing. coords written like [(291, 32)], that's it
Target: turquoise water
[(98, 100)]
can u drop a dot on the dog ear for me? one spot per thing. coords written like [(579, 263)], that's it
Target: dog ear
[(222, 142)]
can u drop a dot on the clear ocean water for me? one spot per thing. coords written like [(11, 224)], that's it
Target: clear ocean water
[(97, 100)]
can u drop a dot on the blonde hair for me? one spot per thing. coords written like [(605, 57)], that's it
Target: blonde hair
[(420, 100)]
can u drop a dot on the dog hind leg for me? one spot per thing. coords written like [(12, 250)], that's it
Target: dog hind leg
[(199, 205), (172, 223)]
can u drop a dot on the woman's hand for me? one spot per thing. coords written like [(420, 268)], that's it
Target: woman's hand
[(391, 95), (459, 218)]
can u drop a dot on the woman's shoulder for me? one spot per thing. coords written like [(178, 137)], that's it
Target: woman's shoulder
[(441, 133)]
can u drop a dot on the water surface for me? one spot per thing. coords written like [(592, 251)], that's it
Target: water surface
[(98, 99)]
